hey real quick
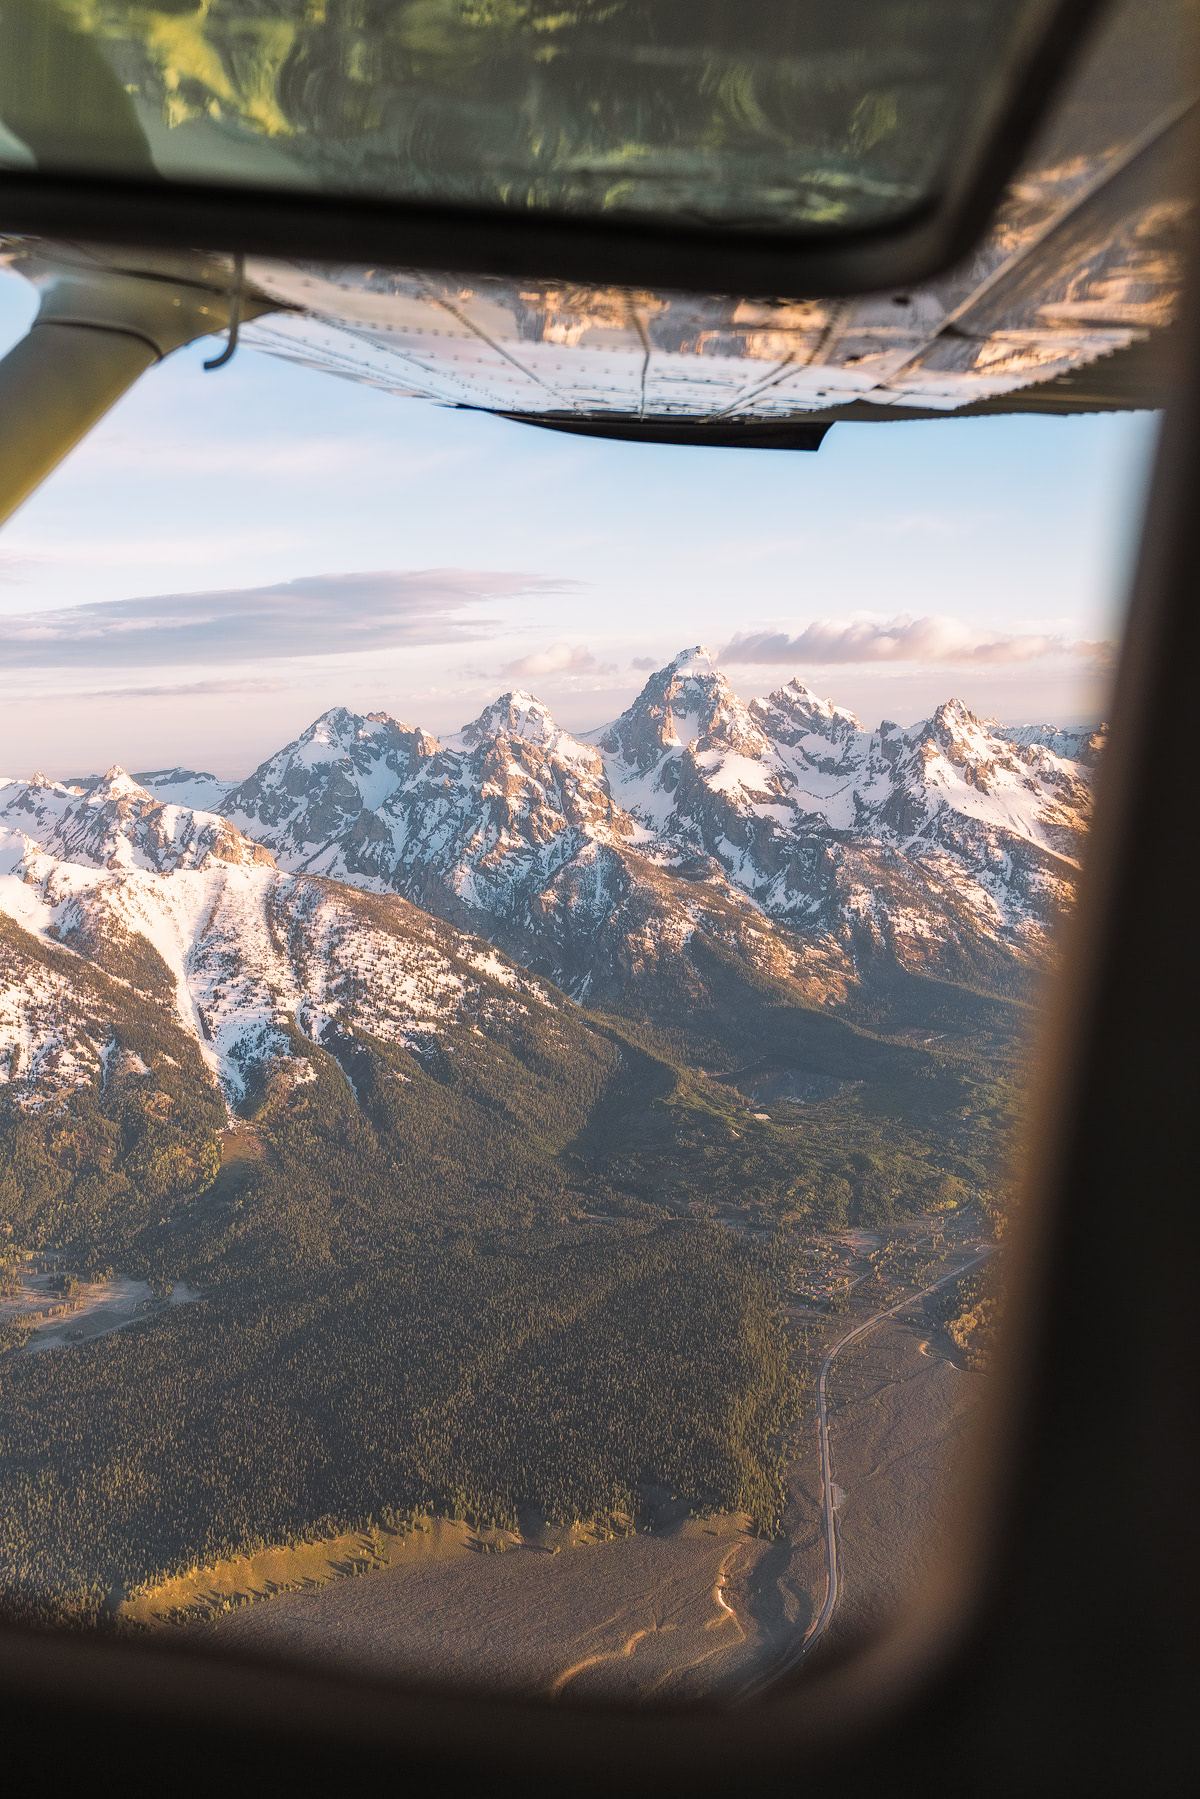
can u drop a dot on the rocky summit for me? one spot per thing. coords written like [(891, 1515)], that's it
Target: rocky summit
[(931, 846), (694, 829)]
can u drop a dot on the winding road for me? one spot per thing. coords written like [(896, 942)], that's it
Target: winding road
[(794, 1655)]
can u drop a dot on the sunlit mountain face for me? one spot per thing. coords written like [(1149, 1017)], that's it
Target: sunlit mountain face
[(370, 877), (944, 845), (438, 1128)]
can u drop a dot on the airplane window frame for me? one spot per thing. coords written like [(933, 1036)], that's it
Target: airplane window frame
[(958, 1673), (1005, 1670)]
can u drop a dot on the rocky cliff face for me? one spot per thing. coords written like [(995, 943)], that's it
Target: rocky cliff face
[(113, 822), (930, 846), (692, 834), (240, 955), (910, 841)]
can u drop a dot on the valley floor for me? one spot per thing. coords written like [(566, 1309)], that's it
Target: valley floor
[(695, 1608), (643, 1617)]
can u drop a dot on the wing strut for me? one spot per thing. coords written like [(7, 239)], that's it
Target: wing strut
[(98, 328)]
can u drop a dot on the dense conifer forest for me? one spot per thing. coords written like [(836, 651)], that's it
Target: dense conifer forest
[(536, 1263)]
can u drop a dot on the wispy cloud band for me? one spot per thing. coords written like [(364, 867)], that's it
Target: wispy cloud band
[(559, 659), (317, 615), (903, 639)]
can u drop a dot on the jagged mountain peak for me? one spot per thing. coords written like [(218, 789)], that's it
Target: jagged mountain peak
[(37, 798), (955, 731), (333, 726), (689, 704), (699, 660), (955, 714), (513, 714), (116, 783), (794, 711), (339, 730), (315, 787), (114, 823)]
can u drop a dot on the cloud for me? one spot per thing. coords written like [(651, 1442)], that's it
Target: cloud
[(184, 690), (317, 615), (646, 662), (168, 691), (900, 639), (559, 659)]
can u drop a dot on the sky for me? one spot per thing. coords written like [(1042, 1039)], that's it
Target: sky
[(230, 553)]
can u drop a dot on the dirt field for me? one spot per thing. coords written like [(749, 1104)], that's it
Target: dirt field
[(666, 1614), (903, 1412), (53, 1321)]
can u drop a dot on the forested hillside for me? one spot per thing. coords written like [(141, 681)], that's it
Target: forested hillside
[(509, 1265)]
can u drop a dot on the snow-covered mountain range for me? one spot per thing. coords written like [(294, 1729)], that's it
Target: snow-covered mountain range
[(241, 954), (369, 873), (906, 842)]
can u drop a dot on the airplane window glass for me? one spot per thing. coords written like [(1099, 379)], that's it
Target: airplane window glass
[(518, 955), (800, 116)]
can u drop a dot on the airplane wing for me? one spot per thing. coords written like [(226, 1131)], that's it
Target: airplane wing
[(1065, 303)]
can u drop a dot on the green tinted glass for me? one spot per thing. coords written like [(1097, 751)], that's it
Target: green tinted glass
[(790, 114)]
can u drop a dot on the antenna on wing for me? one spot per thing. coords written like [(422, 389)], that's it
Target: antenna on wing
[(235, 314)]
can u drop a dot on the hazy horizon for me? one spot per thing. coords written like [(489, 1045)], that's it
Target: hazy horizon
[(236, 773)]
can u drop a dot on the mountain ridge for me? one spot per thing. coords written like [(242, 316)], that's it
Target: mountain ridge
[(947, 847), (906, 842)]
